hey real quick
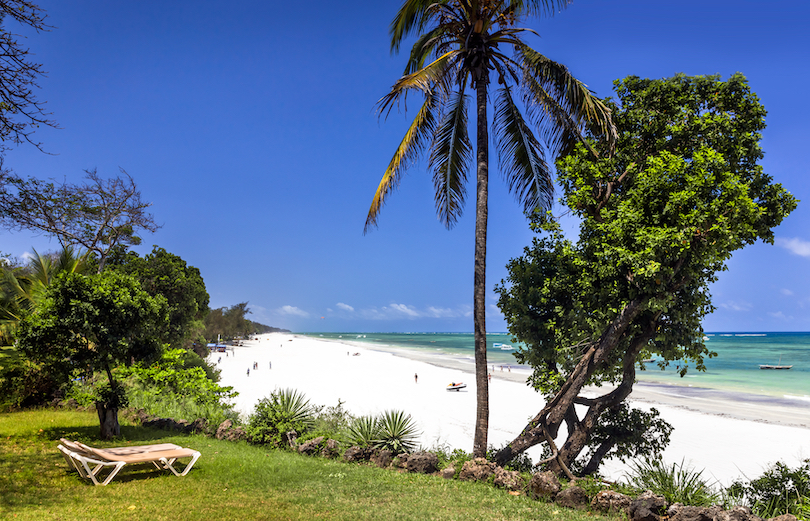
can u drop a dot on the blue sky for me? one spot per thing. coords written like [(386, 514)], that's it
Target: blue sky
[(250, 126)]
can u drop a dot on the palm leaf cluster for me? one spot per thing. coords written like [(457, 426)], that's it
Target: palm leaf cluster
[(21, 289), (468, 44)]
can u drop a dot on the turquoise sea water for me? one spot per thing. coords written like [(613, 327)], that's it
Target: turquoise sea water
[(735, 369)]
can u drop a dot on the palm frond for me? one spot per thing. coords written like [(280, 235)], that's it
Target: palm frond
[(415, 140), (412, 17), (562, 105), (423, 48), (449, 159), (520, 153), (537, 7), (425, 79)]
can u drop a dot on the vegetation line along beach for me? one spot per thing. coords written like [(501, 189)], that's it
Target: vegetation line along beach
[(587, 370)]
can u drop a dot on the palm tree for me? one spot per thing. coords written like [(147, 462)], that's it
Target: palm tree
[(22, 289), (460, 46)]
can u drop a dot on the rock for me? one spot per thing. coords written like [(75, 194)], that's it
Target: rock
[(508, 479), (691, 513), (401, 460), (291, 437), (235, 434), (423, 462), (311, 447), (180, 425), (382, 458), (449, 473), (738, 513), (331, 449), (647, 507), (478, 469), (545, 485), (356, 454), (610, 501), (199, 425), (783, 517), (222, 429), (572, 497)]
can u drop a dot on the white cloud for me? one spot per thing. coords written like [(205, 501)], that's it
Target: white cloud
[(344, 307), (795, 245), (292, 310), (736, 306), (405, 309), (28, 256), (787, 292), (779, 315)]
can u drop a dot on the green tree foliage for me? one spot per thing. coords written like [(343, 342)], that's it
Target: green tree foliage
[(460, 48), (659, 220), (229, 323), (93, 323), (163, 273)]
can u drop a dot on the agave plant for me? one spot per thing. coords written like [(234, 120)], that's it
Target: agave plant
[(677, 482), (397, 432), (285, 410), (294, 407), (363, 431)]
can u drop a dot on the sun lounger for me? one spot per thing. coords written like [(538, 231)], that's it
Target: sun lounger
[(90, 462)]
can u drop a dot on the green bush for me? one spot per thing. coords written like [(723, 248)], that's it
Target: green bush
[(780, 490), (362, 431), (396, 432), (676, 482), (285, 410)]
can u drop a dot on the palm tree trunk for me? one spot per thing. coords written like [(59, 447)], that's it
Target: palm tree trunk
[(479, 280)]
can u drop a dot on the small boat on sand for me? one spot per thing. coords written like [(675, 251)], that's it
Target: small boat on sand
[(456, 386)]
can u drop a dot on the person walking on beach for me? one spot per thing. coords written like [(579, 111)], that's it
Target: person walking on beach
[(248, 373), (271, 365), (415, 378)]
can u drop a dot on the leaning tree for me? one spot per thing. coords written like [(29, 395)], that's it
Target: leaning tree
[(462, 47), (659, 220)]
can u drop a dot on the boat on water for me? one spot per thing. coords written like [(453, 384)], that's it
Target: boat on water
[(648, 361), (502, 347), (456, 386), (777, 366)]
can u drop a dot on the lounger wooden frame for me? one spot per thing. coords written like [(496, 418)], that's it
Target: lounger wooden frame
[(90, 462)]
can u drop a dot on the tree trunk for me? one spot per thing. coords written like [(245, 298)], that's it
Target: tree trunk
[(479, 280), (556, 410), (108, 418)]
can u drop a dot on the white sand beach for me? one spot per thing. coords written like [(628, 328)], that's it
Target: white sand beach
[(728, 438)]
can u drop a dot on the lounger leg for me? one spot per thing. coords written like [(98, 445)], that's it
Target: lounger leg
[(169, 464)]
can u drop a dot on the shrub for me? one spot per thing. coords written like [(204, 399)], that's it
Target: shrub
[(780, 490), (396, 432), (283, 411), (677, 483), (362, 431)]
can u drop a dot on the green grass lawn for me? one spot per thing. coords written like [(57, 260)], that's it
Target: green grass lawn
[(229, 481)]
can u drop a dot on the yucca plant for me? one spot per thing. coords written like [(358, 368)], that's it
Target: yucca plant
[(363, 431), (397, 432), (677, 482), (284, 411)]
